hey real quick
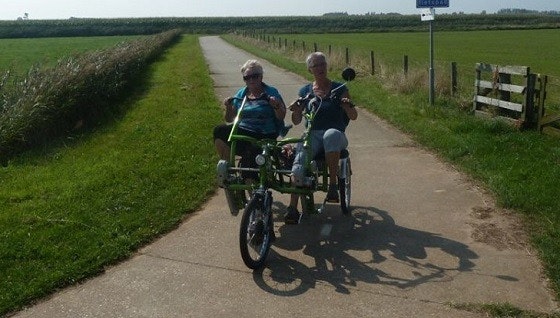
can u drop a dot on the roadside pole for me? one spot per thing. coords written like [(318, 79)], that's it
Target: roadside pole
[(429, 14), (432, 72)]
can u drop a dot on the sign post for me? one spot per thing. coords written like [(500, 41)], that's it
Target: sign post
[(429, 14)]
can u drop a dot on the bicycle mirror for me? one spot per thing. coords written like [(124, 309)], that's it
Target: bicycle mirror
[(348, 74)]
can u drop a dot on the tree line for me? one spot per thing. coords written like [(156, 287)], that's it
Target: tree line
[(330, 23)]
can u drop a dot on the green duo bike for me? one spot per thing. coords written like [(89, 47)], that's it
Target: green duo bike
[(256, 231)]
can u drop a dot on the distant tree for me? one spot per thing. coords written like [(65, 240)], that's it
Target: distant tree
[(335, 14), (516, 11)]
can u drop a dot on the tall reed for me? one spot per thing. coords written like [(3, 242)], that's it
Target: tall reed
[(50, 102)]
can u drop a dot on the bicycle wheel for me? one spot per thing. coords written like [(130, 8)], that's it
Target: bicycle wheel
[(345, 188), (255, 232)]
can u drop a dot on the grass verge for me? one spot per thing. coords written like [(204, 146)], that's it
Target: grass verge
[(67, 212), (502, 311)]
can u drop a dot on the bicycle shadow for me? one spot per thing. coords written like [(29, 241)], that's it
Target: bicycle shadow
[(366, 246)]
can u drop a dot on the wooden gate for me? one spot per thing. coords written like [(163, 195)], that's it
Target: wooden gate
[(506, 92), (548, 122)]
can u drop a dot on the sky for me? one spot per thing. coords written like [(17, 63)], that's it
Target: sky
[(64, 9)]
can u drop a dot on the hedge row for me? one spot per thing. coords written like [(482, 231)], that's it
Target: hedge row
[(284, 24), (78, 90)]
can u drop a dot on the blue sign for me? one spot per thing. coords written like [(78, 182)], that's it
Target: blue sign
[(432, 3)]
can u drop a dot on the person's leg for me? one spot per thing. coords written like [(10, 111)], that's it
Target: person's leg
[(248, 153), (221, 134), (222, 148), (334, 142), (292, 215), (331, 158)]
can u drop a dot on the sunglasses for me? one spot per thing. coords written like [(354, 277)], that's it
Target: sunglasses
[(250, 77), (320, 64)]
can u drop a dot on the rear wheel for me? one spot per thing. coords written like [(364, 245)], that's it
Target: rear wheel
[(255, 232)]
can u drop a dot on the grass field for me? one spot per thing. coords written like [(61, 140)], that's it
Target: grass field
[(68, 211), (18, 55), (537, 49)]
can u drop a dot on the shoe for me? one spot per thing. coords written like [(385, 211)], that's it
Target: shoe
[(292, 216), (332, 195)]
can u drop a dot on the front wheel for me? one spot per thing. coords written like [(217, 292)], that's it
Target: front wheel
[(345, 188), (255, 232)]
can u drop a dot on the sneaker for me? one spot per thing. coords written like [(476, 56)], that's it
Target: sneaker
[(332, 195), (292, 216)]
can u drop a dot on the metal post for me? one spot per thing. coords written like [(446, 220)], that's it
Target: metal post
[(432, 79), (453, 78)]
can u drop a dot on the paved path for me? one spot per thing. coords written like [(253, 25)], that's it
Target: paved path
[(420, 236)]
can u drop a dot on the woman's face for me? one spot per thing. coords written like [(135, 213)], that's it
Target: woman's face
[(318, 67), (252, 77)]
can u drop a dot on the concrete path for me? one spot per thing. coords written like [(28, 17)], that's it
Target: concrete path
[(421, 236)]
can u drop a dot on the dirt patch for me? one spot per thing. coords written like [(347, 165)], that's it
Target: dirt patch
[(482, 213), (499, 229)]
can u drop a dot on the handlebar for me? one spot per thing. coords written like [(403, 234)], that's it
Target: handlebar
[(263, 96), (290, 140)]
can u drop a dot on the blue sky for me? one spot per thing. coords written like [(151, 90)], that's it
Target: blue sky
[(63, 9)]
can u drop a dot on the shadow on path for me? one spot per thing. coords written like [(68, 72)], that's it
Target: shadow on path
[(395, 255)]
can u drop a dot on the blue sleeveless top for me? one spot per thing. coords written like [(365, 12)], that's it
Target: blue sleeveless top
[(258, 115)]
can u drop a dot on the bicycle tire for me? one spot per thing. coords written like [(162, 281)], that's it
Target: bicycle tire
[(345, 189), (255, 232)]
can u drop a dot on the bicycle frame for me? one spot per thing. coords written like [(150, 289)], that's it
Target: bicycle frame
[(271, 174)]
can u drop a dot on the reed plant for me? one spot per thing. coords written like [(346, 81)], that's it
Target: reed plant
[(76, 92)]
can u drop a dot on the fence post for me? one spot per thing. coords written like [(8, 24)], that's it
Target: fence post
[(347, 57), (453, 78), (405, 65), (529, 104), (314, 47), (372, 56)]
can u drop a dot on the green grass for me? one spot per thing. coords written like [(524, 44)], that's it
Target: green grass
[(521, 168), (18, 55), (67, 212), (503, 311), (537, 49)]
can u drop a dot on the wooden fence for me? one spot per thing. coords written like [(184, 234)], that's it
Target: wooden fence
[(506, 92), (548, 122), (514, 94)]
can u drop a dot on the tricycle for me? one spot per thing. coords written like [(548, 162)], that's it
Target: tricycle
[(256, 231)]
